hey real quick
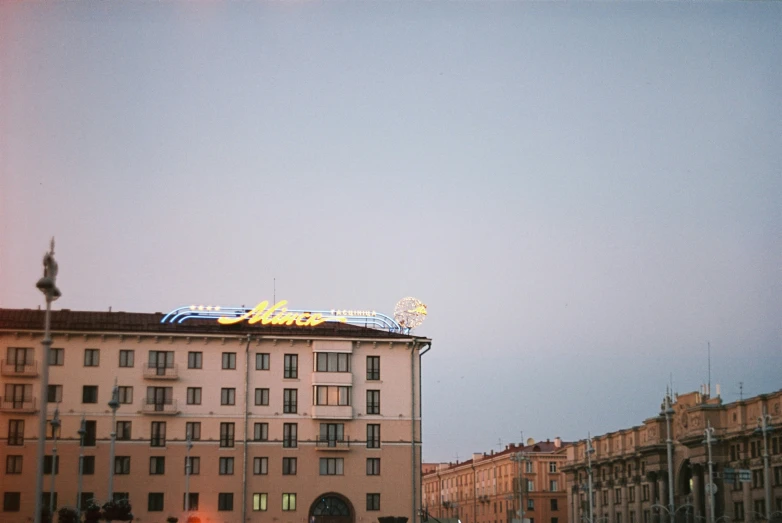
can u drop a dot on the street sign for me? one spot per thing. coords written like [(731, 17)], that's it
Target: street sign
[(711, 488), (729, 475), (745, 475)]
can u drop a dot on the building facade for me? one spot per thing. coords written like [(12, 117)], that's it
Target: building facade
[(630, 479), (284, 423), (485, 489)]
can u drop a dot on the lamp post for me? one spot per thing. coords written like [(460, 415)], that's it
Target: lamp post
[(187, 476), (55, 423), (48, 286), (667, 411), (764, 423), (82, 432), (520, 457), (113, 405), (711, 487), (589, 451)]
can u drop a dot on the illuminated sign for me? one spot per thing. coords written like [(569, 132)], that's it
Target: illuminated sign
[(265, 314)]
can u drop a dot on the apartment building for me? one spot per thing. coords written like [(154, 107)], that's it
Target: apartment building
[(630, 473), (485, 489), (252, 421)]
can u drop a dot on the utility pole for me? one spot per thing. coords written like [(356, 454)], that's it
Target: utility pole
[(764, 423), (710, 486), (668, 412), (589, 451)]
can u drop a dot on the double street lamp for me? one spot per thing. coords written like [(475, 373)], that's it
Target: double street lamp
[(667, 411), (113, 405), (711, 488)]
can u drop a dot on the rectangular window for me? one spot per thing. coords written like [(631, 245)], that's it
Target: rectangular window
[(13, 464), (229, 363), (331, 434), (226, 434), (194, 395), (195, 360), (332, 362), (122, 465), (54, 393), (262, 361), (47, 465), (332, 466), (89, 394), (290, 401), (118, 496), (530, 504), (123, 430), (11, 501), (528, 467), (291, 370), (158, 434), (261, 432), (373, 502), (553, 485), (155, 502), (16, 432), (88, 466), (261, 396), (552, 467), (157, 465), (193, 430), (288, 466), (46, 499), (160, 360), (373, 368), (192, 503), (260, 466), (159, 397), (260, 501), (645, 493), (617, 495), (757, 478), (373, 466), (194, 464), (225, 501), (288, 502), (227, 396), (738, 510), (91, 436), (127, 358), (91, 357), (125, 395), (290, 435), (226, 466), (631, 494), (373, 402), (56, 357), (554, 504), (332, 395), (373, 436)]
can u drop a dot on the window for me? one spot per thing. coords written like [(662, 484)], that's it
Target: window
[(89, 394), (645, 493), (373, 501), (192, 503), (373, 436), (289, 435), (647, 514), (85, 498), (47, 465), (262, 362), (226, 466), (291, 366), (290, 401), (194, 395), (193, 429), (125, 395), (122, 465), (54, 393), (91, 436), (288, 466), (126, 358), (757, 479), (528, 467), (225, 501), (331, 433), (13, 464), (373, 402), (373, 466), (91, 357), (157, 465), (227, 396), (553, 485), (118, 496), (11, 501), (194, 360), (229, 363), (552, 467), (159, 397), (194, 464), (158, 434), (260, 466), (260, 501), (155, 502), (46, 498), (373, 368), (261, 432), (617, 495), (88, 466), (759, 506), (738, 510), (631, 517), (605, 497), (160, 360), (56, 357), (554, 504), (261, 396), (332, 395), (16, 432), (778, 476), (226, 434), (530, 504), (332, 466), (332, 362), (288, 502)]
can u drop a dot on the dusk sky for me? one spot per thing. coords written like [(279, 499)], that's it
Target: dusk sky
[(584, 195)]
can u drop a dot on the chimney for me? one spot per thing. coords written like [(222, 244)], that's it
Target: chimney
[(557, 442)]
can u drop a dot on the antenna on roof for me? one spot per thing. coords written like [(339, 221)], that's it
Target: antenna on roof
[(708, 345), (499, 442), (741, 391)]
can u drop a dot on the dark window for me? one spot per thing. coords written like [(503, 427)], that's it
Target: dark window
[(288, 466), (122, 465), (261, 432), (125, 395), (160, 360), (226, 466), (373, 402), (195, 465), (261, 396), (54, 393), (333, 362), (88, 466), (373, 368), (225, 501), (89, 394), (373, 466), (290, 401), (158, 434), (193, 429), (193, 502), (46, 499), (554, 504), (127, 358), (155, 502), (194, 360), (157, 465), (91, 436), (56, 357), (47, 464), (16, 432), (373, 436), (13, 464), (290, 435), (291, 369), (332, 466), (85, 499), (260, 466), (331, 434), (194, 395), (229, 362), (226, 434), (91, 357), (11, 501), (373, 501), (262, 361), (227, 396)]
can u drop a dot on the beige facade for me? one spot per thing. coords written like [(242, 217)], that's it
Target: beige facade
[(485, 489), (630, 471), (287, 423)]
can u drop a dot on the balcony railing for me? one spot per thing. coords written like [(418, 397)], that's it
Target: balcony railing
[(159, 407), (332, 443), (18, 405), (155, 372), (19, 369)]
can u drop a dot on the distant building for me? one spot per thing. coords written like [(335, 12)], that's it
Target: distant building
[(485, 489), (630, 471)]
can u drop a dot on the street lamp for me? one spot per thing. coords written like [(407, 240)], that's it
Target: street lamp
[(113, 405), (520, 457), (764, 423), (667, 411), (711, 487), (187, 476), (55, 423), (48, 286), (82, 432)]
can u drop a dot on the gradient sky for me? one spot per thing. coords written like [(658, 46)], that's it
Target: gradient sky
[(583, 194)]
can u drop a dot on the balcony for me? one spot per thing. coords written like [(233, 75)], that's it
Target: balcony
[(154, 372), (332, 412), (159, 408), (18, 405), (19, 369), (333, 444)]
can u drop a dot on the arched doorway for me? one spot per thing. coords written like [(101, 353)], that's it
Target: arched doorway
[(332, 508)]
